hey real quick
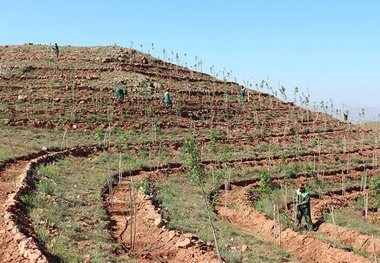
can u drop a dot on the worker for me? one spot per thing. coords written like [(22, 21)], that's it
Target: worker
[(303, 207), (345, 115), (167, 100), (56, 50), (120, 94), (242, 94)]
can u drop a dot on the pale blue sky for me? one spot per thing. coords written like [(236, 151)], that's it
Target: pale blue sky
[(330, 47)]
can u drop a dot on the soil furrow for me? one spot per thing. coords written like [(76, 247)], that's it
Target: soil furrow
[(302, 246)]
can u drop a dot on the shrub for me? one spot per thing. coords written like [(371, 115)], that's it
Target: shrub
[(266, 185), (46, 186), (145, 186), (32, 201), (375, 186)]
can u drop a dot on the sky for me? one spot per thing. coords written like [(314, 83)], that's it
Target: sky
[(329, 49)]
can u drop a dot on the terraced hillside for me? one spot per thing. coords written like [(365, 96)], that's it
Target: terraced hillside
[(86, 178)]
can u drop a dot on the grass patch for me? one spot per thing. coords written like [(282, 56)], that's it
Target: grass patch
[(26, 140), (67, 211), (352, 218), (185, 210)]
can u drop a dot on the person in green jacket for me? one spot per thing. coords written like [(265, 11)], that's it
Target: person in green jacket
[(345, 115), (120, 94), (303, 207), (56, 50), (167, 100), (242, 94)]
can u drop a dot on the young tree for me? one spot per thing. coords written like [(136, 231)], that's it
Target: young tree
[(375, 186)]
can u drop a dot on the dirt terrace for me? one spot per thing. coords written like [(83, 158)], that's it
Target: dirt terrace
[(76, 92)]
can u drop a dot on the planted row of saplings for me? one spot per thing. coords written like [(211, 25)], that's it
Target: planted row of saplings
[(285, 154), (84, 111), (322, 179), (323, 204)]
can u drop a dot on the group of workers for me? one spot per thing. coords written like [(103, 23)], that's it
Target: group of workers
[(303, 195), (120, 93)]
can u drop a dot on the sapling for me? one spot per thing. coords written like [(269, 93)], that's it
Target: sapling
[(284, 186), (365, 205), (120, 168), (177, 61), (133, 201), (343, 183), (295, 95), (348, 163), (344, 144), (277, 225), (361, 116), (374, 159), (109, 181), (10, 146), (198, 175), (375, 187), (306, 101), (335, 226), (283, 92), (363, 182), (374, 249), (332, 107), (73, 98), (64, 143)]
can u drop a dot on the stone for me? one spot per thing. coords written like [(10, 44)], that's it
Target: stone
[(244, 248), (34, 255), (158, 221), (209, 244), (10, 226), (22, 97), (15, 230), (184, 243), (87, 258), (18, 237), (171, 234), (42, 259), (188, 235)]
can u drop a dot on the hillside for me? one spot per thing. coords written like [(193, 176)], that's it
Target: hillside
[(92, 179)]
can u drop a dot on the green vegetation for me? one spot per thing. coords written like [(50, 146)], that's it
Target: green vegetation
[(184, 210), (26, 140), (264, 144), (352, 218), (67, 211), (375, 187)]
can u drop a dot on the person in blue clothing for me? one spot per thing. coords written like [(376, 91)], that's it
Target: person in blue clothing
[(167, 100), (303, 207)]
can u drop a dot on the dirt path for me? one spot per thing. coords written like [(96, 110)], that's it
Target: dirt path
[(9, 251), (153, 241), (302, 246)]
